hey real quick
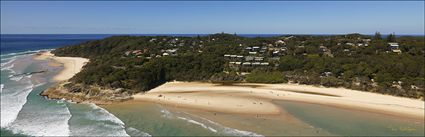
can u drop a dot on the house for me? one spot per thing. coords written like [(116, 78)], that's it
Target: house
[(255, 48), (252, 53), (256, 63), (366, 40), (264, 64), (290, 37), (165, 54), (323, 48), (172, 52), (279, 42), (249, 58), (246, 63), (350, 44), (248, 48), (394, 47), (136, 51), (259, 58), (226, 55), (152, 40), (127, 53)]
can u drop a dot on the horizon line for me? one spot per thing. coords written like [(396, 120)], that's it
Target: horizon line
[(202, 33)]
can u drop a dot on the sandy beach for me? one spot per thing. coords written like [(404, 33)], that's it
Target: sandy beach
[(72, 65), (257, 98)]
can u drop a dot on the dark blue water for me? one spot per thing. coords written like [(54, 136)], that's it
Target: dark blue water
[(12, 43)]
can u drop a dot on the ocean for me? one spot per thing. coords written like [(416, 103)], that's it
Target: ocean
[(25, 113)]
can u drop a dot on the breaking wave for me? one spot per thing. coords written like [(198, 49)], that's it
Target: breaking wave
[(198, 123), (134, 132), (210, 125), (28, 52), (1, 88), (105, 115), (232, 131), (102, 123), (50, 121), (13, 99)]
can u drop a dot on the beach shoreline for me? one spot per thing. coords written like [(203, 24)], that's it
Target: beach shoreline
[(245, 98), (250, 98), (71, 65)]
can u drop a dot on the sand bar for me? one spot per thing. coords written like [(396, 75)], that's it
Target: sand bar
[(256, 98), (72, 65)]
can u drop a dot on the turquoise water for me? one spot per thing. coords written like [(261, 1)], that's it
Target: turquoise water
[(297, 119), (25, 113), (347, 122)]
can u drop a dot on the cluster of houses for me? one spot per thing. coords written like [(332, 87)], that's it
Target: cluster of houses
[(256, 49), (245, 60), (358, 43), (237, 61), (143, 53)]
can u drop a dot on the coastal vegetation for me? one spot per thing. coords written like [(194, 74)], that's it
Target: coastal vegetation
[(390, 65)]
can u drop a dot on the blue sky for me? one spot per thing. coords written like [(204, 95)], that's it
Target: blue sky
[(242, 17)]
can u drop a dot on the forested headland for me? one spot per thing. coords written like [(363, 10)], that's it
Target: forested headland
[(388, 65)]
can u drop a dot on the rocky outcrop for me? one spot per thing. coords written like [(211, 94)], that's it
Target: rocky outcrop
[(82, 93)]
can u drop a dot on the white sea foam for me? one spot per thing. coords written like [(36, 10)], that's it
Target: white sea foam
[(198, 123), (1, 88), (9, 61), (227, 131), (8, 68), (12, 101), (134, 132), (16, 78), (46, 121), (106, 116), (22, 53), (166, 113), (113, 125)]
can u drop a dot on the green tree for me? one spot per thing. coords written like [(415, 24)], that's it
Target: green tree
[(391, 38), (377, 36)]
